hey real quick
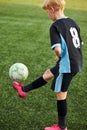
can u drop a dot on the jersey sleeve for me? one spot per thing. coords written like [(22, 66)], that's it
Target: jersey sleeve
[(54, 37)]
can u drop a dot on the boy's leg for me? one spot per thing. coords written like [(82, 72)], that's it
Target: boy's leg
[(61, 100), (33, 85), (62, 109), (39, 82)]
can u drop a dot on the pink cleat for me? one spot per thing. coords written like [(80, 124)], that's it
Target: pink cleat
[(18, 87), (54, 127)]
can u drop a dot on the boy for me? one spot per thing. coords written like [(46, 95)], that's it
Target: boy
[(67, 45)]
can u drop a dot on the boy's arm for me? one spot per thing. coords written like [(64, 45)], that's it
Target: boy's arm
[(57, 51), (55, 41)]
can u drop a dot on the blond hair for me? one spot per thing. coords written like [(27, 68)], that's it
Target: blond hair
[(56, 4)]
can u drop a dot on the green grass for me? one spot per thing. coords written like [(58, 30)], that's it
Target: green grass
[(24, 37), (76, 4), (35, 2)]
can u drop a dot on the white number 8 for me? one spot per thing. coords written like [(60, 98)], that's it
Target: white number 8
[(75, 37)]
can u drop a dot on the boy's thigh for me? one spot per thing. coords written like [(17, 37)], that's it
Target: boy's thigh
[(48, 75)]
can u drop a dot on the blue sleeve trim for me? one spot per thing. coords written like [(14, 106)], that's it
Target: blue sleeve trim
[(55, 45)]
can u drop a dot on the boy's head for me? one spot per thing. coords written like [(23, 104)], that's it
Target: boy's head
[(54, 8), (56, 4)]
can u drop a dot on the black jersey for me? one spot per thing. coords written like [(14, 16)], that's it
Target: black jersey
[(66, 34)]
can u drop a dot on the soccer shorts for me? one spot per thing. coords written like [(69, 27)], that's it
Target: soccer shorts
[(60, 82)]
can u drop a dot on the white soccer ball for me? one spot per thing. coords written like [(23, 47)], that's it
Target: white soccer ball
[(18, 72)]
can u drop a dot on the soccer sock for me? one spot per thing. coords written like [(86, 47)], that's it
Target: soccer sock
[(62, 111), (35, 84)]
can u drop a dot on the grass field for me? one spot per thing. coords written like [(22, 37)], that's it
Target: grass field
[(24, 37)]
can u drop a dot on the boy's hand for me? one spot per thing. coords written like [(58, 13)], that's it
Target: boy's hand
[(56, 58)]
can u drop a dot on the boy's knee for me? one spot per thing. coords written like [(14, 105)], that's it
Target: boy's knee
[(47, 75), (61, 95)]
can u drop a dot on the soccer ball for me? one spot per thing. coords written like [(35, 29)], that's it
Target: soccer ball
[(18, 72)]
